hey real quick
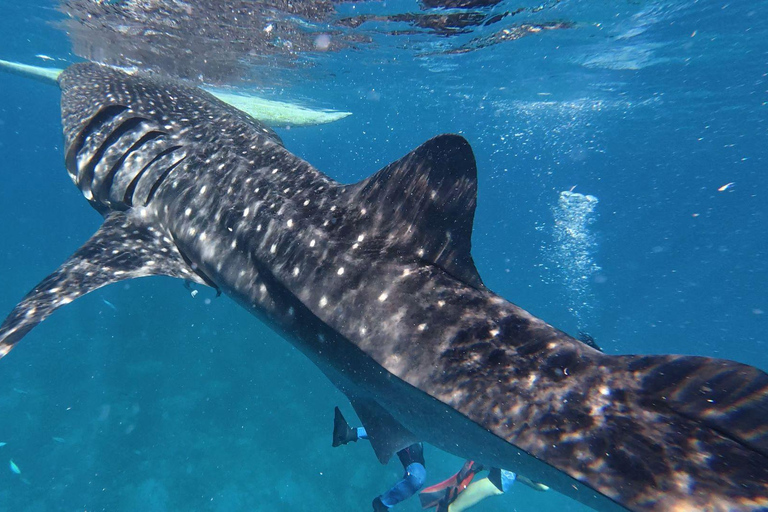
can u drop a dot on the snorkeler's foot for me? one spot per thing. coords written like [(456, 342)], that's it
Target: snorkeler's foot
[(342, 432), (378, 505), (533, 485)]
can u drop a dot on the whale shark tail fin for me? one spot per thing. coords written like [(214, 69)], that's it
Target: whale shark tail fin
[(423, 206), (666, 432), (123, 248), (710, 445), (728, 398)]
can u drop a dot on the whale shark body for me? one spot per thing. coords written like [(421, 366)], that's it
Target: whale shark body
[(374, 282)]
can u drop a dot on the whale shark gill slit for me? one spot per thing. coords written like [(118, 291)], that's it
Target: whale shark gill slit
[(100, 146), (76, 145), (104, 187), (139, 191), (159, 181), (134, 164)]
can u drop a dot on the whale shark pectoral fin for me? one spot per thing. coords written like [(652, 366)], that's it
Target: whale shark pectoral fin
[(424, 205), (123, 248), (386, 434)]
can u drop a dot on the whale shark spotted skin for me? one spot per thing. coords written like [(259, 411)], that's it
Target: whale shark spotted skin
[(375, 283)]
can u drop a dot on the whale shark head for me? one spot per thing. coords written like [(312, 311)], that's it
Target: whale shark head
[(121, 149)]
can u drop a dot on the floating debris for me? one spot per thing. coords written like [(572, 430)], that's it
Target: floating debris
[(726, 187), (323, 42), (193, 293), (14, 467)]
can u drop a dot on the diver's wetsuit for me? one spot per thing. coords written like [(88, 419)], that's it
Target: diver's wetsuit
[(412, 459)]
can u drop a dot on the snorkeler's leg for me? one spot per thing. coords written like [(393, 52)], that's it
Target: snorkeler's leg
[(530, 483), (497, 482), (442, 494), (474, 493), (412, 481)]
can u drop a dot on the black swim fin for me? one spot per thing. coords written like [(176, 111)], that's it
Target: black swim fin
[(378, 505), (342, 432)]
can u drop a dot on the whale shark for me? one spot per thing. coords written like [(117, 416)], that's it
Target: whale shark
[(375, 283)]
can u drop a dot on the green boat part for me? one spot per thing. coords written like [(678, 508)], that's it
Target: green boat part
[(273, 113)]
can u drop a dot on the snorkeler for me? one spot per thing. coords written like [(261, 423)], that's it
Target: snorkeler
[(411, 457), (459, 492)]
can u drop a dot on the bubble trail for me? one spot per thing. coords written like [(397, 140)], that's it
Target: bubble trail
[(574, 249)]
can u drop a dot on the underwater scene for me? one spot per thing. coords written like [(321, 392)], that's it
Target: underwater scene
[(621, 197)]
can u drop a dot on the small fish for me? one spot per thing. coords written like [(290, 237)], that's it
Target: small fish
[(587, 339), (105, 301), (2, 444), (14, 467), (44, 57), (726, 187), (59, 439)]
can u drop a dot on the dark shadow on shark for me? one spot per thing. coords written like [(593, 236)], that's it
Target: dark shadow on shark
[(375, 283)]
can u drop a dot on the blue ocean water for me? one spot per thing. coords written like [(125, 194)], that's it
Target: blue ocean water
[(142, 397)]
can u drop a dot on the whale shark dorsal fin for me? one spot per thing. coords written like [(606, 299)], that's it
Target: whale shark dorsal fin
[(123, 248), (386, 434), (424, 204)]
